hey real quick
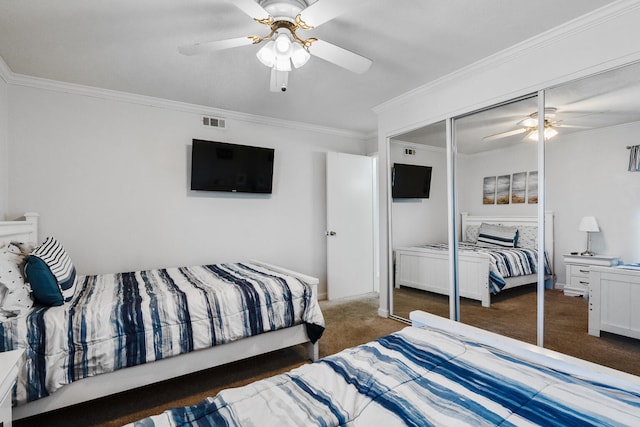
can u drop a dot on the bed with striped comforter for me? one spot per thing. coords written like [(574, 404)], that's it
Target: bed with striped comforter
[(421, 377), (504, 262), (119, 320)]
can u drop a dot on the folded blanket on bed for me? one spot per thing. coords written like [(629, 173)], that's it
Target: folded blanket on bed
[(418, 377), (119, 320), (504, 262)]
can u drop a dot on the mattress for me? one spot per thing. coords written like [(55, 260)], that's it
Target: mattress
[(120, 320), (420, 377)]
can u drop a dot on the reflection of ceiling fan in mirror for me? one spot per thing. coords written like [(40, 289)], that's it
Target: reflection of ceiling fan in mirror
[(283, 46), (529, 125)]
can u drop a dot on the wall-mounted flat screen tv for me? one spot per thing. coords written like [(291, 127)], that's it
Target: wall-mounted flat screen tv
[(410, 181), (220, 166)]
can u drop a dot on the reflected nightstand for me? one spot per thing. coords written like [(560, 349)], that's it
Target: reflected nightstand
[(578, 266)]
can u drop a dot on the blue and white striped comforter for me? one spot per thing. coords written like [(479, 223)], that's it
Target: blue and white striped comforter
[(418, 377), (119, 320), (503, 262)]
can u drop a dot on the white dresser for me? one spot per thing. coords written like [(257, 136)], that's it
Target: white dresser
[(9, 362), (614, 298), (578, 267)]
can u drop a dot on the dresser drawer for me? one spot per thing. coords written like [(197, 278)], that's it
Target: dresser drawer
[(579, 271), (580, 282)]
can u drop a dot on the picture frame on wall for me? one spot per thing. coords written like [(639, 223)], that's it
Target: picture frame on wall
[(532, 187), (503, 187), (518, 188), (489, 190)]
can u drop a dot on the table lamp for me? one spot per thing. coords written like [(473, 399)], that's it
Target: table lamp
[(590, 225)]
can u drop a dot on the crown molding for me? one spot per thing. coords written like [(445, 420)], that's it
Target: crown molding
[(71, 88), (537, 42), (5, 71)]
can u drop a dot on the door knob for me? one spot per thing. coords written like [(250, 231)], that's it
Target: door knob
[(331, 233)]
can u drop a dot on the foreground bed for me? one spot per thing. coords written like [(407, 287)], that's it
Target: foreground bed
[(484, 270), (120, 331), (437, 372)]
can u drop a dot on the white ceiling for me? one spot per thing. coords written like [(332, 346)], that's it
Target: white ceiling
[(131, 46), (606, 99)]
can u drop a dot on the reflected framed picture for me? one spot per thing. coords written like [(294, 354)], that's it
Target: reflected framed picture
[(532, 187), (503, 187), (489, 190), (518, 187)]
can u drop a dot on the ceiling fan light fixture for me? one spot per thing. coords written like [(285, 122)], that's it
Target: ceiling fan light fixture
[(299, 55), (282, 44), (279, 80), (549, 133), (283, 63), (267, 54)]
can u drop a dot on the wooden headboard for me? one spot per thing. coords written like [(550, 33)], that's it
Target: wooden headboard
[(24, 230), (531, 221)]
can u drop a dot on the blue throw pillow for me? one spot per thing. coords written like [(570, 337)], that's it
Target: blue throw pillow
[(51, 273)]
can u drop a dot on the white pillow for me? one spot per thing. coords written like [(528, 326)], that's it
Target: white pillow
[(471, 234), (15, 293), (497, 235), (528, 236)]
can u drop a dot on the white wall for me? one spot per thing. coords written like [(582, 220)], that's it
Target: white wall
[(4, 145), (596, 42), (421, 221), (473, 168), (587, 176), (110, 179)]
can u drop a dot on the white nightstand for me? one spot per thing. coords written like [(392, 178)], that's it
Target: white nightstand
[(9, 364), (578, 267)]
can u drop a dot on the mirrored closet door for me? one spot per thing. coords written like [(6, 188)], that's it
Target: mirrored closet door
[(596, 202), (497, 209), (419, 216)]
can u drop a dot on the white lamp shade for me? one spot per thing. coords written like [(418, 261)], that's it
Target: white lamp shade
[(267, 54), (283, 43), (283, 63), (549, 133), (299, 55), (589, 223)]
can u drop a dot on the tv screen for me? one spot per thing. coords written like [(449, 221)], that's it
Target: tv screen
[(220, 166), (410, 181)]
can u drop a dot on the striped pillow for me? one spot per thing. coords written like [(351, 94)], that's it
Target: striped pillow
[(51, 273), (497, 235)]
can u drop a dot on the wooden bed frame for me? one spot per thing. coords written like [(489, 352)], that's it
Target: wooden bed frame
[(428, 269), (26, 231)]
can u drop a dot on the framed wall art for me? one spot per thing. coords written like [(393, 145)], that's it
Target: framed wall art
[(489, 190), (503, 187)]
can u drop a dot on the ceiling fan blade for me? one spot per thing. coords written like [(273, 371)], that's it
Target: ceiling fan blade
[(325, 10), (504, 134), (251, 8), (571, 126), (339, 56), (198, 48)]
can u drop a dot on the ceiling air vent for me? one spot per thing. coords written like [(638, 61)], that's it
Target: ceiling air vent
[(213, 122)]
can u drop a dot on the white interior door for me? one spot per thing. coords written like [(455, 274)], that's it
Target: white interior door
[(350, 220)]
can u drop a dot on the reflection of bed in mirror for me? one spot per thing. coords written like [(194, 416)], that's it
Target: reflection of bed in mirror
[(427, 267)]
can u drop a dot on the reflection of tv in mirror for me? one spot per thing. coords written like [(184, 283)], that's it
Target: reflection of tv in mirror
[(220, 166), (410, 181)]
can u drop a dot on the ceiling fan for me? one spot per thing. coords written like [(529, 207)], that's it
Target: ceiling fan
[(283, 45), (529, 125)]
